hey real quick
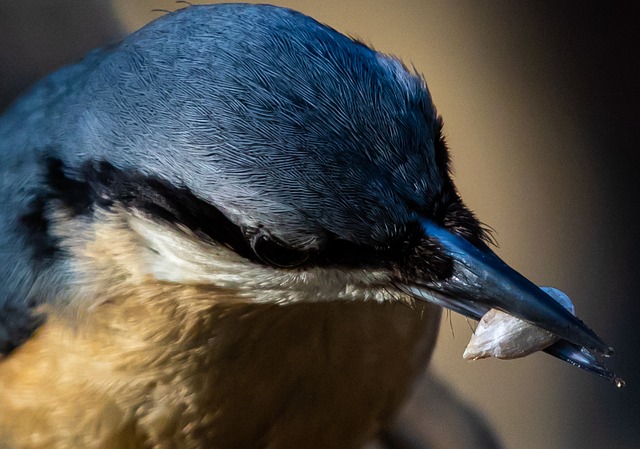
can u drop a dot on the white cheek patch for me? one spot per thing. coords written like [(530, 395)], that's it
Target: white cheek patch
[(503, 336), (179, 256)]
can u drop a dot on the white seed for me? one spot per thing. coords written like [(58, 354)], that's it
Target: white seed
[(503, 336)]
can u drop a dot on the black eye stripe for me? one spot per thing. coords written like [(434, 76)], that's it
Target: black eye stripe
[(276, 253), (104, 185)]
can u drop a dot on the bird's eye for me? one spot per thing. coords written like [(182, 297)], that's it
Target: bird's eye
[(276, 253)]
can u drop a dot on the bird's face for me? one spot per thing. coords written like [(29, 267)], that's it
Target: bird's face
[(282, 161), (336, 255)]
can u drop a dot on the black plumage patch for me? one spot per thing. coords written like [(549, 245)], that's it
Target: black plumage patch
[(17, 324), (35, 224), (178, 206), (161, 200), (76, 195), (101, 184), (274, 252)]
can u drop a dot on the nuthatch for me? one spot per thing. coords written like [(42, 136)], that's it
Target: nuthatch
[(234, 229)]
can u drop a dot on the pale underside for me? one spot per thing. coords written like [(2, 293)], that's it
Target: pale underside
[(158, 364)]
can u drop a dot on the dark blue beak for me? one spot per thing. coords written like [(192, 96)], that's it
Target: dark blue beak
[(482, 281)]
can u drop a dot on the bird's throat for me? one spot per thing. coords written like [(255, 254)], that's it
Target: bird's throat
[(193, 367)]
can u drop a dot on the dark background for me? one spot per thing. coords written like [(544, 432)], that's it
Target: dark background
[(540, 101)]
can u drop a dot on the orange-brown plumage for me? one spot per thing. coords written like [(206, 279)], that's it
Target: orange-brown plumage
[(156, 364)]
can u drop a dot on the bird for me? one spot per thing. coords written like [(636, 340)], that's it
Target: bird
[(235, 228)]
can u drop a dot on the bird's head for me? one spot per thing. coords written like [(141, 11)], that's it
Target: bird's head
[(254, 149)]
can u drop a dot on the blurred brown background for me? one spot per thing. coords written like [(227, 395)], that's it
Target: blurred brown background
[(540, 101)]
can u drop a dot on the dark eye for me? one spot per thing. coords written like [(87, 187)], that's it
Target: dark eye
[(276, 253)]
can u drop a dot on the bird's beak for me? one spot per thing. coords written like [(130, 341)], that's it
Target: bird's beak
[(482, 281)]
